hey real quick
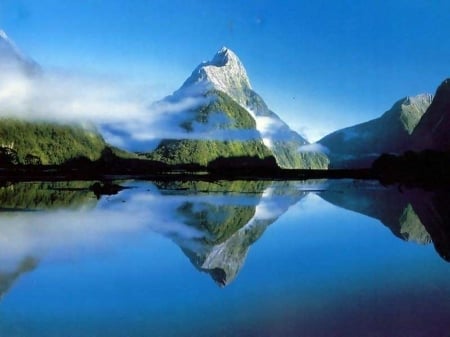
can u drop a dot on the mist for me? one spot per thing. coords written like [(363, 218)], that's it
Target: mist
[(125, 113)]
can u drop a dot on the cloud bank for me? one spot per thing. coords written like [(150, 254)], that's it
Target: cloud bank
[(65, 97), (123, 112), (315, 147)]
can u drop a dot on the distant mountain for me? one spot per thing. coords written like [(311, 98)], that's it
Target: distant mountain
[(40, 142), (433, 131), (393, 132), (233, 120), (11, 56), (47, 143)]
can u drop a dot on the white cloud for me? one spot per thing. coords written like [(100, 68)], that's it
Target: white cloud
[(313, 134), (267, 125), (315, 147), (123, 111), (66, 97)]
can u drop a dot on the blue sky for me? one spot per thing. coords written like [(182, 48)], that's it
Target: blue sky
[(320, 65)]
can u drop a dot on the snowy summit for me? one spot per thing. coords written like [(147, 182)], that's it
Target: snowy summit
[(3, 35), (225, 72), (10, 55)]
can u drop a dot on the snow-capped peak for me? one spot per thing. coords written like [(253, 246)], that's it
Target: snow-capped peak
[(10, 55), (8, 45), (418, 99), (3, 35), (224, 72), (224, 56)]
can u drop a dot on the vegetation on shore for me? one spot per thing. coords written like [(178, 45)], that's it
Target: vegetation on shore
[(45, 143)]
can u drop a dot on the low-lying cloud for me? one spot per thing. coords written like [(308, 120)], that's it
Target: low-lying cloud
[(125, 113), (315, 147), (65, 97)]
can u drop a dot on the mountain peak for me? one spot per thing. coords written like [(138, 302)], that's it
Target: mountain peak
[(445, 85), (225, 72), (432, 131), (223, 57), (7, 47), (3, 35), (418, 99), (10, 54)]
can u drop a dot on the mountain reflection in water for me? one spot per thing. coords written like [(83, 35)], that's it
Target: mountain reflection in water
[(412, 214), (214, 223)]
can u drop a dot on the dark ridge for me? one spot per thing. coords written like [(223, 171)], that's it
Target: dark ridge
[(425, 168), (244, 163)]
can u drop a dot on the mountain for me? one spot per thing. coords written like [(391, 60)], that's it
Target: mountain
[(233, 120), (12, 57), (393, 132), (433, 130), (39, 142), (218, 128), (47, 143)]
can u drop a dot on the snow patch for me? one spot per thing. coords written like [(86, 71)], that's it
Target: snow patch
[(225, 72)]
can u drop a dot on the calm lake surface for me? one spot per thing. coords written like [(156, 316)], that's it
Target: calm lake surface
[(318, 258)]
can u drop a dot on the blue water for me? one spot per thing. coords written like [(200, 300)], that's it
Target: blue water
[(117, 269)]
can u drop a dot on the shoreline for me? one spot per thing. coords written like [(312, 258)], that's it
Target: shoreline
[(52, 174)]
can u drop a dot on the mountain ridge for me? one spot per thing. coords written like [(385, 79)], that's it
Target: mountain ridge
[(359, 145), (433, 130), (232, 120), (24, 141), (225, 74), (11, 55)]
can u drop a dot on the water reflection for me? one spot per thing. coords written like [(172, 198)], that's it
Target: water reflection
[(214, 223), (22, 196), (230, 225), (412, 214), (7, 279)]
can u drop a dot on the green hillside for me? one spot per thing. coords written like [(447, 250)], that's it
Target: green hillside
[(359, 145), (288, 156), (203, 151), (237, 116), (26, 142)]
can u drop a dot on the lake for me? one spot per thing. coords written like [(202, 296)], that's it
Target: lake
[(240, 258)]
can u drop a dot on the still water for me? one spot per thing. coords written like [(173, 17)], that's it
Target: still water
[(318, 258)]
